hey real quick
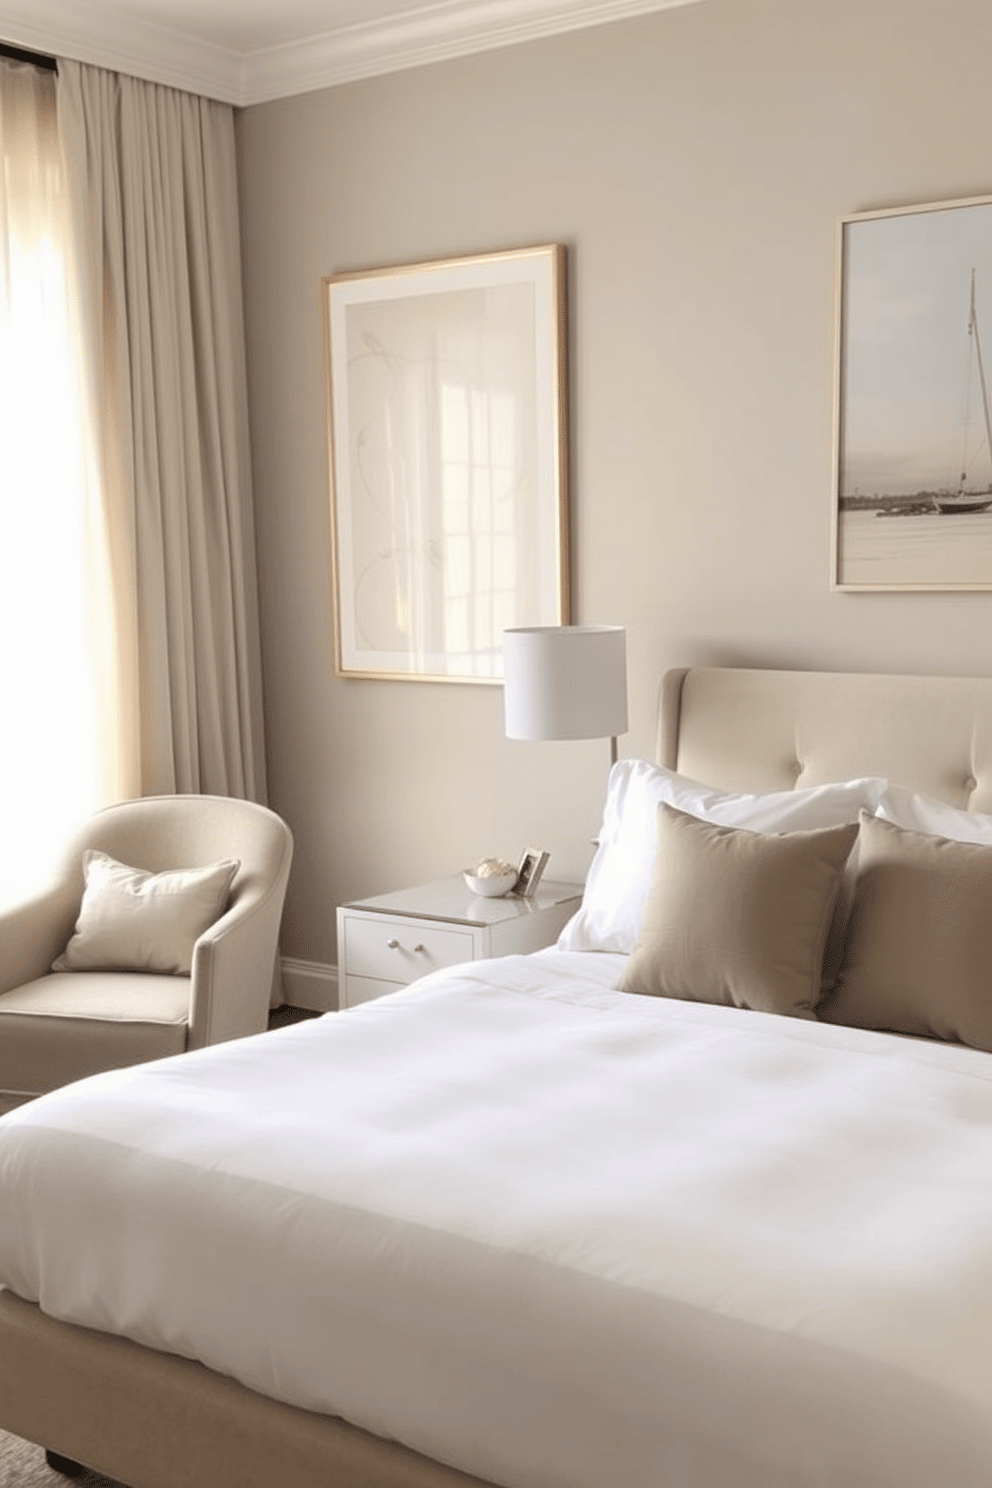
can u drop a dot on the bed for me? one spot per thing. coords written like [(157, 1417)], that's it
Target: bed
[(589, 1238)]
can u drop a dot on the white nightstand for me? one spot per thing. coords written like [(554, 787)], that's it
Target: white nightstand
[(388, 941)]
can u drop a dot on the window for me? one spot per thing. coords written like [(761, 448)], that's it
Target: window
[(49, 770)]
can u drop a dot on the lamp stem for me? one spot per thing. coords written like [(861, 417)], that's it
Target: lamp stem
[(613, 750)]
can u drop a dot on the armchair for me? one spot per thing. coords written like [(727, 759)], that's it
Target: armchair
[(59, 1026)]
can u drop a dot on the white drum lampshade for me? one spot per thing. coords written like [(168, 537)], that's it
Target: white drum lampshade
[(566, 682)]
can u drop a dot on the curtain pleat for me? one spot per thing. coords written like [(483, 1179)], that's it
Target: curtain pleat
[(153, 186)]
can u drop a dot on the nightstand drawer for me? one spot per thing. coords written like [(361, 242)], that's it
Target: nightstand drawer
[(389, 941), (367, 989), (394, 951)]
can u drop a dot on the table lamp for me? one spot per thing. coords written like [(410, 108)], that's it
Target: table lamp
[(566, 682)]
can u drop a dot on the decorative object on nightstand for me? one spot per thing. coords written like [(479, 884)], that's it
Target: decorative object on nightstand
[(492, 878), (566, 682), (388, 941), (532, 866)]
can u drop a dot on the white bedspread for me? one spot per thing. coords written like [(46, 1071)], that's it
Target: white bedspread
[(548, 1233)]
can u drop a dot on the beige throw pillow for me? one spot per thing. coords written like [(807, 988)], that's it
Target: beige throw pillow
[(131, 920), (738, 917), (919, 946)]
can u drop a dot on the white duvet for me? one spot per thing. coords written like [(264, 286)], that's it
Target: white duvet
[(548, 1233)]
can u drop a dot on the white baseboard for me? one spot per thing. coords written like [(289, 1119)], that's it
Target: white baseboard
[(310, 984)]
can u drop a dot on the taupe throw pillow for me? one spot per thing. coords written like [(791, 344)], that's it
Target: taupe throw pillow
[(131, 920), (919, 945), (738, 917)]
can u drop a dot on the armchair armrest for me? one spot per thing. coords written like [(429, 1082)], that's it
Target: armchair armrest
[(33, 933), (233, 964)]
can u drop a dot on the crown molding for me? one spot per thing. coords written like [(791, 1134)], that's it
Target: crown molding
[(92, 33), (429, 33), (88, 32)]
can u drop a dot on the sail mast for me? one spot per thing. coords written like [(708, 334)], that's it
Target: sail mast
[(973, 330), (970, 501)]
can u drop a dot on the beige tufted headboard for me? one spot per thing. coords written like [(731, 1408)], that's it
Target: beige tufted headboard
[(760, 731)]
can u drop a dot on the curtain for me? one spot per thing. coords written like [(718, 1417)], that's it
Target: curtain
[(153, 192), (56, 632)]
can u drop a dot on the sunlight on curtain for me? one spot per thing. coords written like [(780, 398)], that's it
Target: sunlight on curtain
[(49, 765), (152, 173)]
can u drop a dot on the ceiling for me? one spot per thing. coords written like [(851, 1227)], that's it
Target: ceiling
[(250, 51)]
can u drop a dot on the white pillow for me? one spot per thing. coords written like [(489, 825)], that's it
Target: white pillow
[(131, 920), (622, 870), (916, 813)]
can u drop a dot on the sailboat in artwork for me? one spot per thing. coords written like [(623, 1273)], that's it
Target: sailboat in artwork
[(964, 500)]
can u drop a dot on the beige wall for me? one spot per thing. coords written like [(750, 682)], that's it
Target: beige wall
[(695, 162)]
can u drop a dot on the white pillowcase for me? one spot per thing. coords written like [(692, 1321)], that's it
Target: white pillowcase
[(622, 870), (916, 813)]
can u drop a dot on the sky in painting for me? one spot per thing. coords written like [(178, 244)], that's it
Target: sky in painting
[(912, 414)]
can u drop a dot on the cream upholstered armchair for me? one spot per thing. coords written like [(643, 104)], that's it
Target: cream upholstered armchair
[(58, 1025)]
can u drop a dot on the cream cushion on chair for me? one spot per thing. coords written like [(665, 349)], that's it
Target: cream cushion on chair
[(58, 1025), (105, 1021), (130, 920)]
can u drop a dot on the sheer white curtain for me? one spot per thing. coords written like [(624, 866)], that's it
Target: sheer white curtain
[(54, 636), (152, 177)]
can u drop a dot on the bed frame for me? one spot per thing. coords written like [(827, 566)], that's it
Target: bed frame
[(153, 1420)]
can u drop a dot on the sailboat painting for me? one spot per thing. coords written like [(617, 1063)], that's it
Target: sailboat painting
[(967, 498), (913, 499)]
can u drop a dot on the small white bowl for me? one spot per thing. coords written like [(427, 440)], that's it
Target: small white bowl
[(493, 887)]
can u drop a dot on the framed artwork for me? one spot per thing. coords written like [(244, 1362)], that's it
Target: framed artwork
[(446, 435), (913, 495)]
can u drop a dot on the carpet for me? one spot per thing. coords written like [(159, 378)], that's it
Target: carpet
[(23, 1465)]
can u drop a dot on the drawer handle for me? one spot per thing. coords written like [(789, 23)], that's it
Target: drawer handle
[(393, 944)]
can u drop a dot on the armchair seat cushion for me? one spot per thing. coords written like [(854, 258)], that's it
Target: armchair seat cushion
[(70, 1024)]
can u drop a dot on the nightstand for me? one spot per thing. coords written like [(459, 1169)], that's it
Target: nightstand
[(388, 941)]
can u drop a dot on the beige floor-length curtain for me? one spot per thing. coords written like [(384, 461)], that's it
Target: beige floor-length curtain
[(151, 174)]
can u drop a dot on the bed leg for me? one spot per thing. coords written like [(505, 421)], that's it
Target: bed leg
[(64, 1465)]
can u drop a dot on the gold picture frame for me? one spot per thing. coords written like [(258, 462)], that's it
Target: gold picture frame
[(446, 422), (913, 467)]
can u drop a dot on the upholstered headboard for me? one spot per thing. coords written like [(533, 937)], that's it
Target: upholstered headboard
[(755, 730)]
